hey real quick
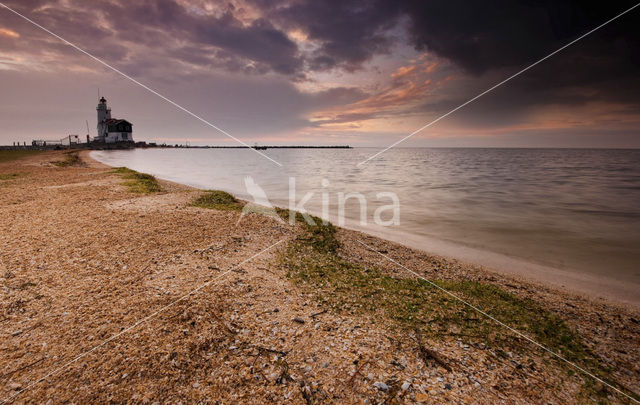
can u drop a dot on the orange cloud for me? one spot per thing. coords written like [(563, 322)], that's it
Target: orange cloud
[(9, 33), (408, 87), (403, 71)]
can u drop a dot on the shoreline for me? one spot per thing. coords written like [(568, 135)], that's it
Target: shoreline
[(591, 286), (571, 281), (167, 301)]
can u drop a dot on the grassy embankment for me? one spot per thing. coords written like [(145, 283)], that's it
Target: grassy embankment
[(142, 183), (418, 308), (414, 306)]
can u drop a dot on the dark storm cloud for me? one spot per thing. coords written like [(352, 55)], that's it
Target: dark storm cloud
[(162, 25), (488, 41), (259, 42), (477, 36), (480, 36), (508, 35), (236, 44), (349, 32)]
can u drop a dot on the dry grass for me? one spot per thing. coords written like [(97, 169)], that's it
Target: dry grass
[(9, 176), (142, 183), (70, 159), (218, 200), (9, 155)]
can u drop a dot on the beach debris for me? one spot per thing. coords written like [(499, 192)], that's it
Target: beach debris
[(298, 320), (381, 386), (429, 354)]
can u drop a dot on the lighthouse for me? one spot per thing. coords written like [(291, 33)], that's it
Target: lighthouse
[(104, 114), (111, 130)]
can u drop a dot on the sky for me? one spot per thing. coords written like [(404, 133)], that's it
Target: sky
[(363, 73)]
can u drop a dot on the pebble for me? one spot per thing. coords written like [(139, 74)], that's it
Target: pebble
[(298, 320), (447, 386), (405, 386), (381, 386)]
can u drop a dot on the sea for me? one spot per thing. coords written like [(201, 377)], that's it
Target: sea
[(574, 210)]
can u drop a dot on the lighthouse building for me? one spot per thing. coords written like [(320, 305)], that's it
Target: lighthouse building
[(111, 130)]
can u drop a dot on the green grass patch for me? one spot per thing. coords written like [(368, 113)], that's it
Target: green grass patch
[(9, 155), (142, 183), (70, 159), (217, 200), (312, 262), (320, 236)]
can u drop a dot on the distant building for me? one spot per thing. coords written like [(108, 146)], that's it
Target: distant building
[(111, 130)]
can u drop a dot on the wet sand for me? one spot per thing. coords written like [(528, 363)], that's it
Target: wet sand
[(593, 286)]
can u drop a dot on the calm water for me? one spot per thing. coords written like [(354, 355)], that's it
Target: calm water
[(571, 209)]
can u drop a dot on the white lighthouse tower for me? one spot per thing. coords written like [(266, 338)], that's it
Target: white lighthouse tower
[(104, 114)]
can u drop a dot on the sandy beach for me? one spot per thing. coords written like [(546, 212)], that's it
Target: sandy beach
[(109, 295)]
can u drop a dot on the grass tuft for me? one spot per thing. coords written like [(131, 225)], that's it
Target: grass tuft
[(142, 183), (70, 159), (217, 200), (9, 176)]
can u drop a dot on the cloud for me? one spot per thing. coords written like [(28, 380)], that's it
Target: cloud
[(5, 32), (106, 29), (379, 66), (345, 33), (403, 95)]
